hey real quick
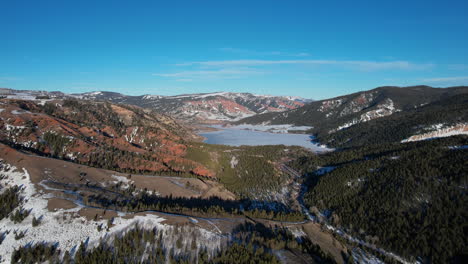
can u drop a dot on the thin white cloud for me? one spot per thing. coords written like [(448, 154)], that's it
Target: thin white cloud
[(447, 79), (458, 67), (228, 73), (263, 53), (6, 78), (362, 65)]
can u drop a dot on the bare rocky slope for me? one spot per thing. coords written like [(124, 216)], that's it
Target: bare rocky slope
[(199, 108)]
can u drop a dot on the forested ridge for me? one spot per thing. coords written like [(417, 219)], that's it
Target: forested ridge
[(408, 198), (401, 125), (212, 207)]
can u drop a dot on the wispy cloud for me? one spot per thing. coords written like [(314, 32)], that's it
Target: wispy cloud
[(225, 73), (458, 67), (7, 78), (361, 65), (447, 79), (264, 53)]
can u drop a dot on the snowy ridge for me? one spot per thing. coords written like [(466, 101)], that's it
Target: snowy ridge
[(439, 130), (385, 109)]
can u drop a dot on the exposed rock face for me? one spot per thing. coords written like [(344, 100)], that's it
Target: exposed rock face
[(125, 138)]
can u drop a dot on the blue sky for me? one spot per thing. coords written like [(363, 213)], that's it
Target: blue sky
[(314, 49)]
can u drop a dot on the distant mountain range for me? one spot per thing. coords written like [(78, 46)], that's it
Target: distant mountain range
[(202, 108), (383, 114)]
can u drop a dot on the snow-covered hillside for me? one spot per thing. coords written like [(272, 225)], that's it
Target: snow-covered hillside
[(68, 229)]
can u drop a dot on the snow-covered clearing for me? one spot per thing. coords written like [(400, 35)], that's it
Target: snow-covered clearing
[(126, 182)]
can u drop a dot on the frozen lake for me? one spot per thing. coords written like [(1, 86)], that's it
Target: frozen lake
[(237, 137)]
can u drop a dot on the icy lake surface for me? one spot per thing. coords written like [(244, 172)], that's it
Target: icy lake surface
[(235, 136)]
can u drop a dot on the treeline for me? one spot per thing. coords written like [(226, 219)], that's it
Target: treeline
[(141, 246), (9, 200), (279, 238), (213, 206), (408, 198), (87, 114), (251, 243)]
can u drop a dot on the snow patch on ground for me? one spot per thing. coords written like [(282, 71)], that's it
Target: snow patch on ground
[(324, 170), (234, 162), (64, 226), (19, 112), (362, 257), (126, 182), (298, 233), (438, 131), (458, 147)]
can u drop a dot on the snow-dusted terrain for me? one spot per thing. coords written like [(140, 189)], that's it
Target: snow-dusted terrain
[(438, 131), (68, 229)]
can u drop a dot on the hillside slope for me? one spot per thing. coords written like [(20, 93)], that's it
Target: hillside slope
[(443, 118), (105, 135), (407, 198), (345, 111)]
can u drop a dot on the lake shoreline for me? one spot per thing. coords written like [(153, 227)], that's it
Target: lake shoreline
[(261, 135)]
